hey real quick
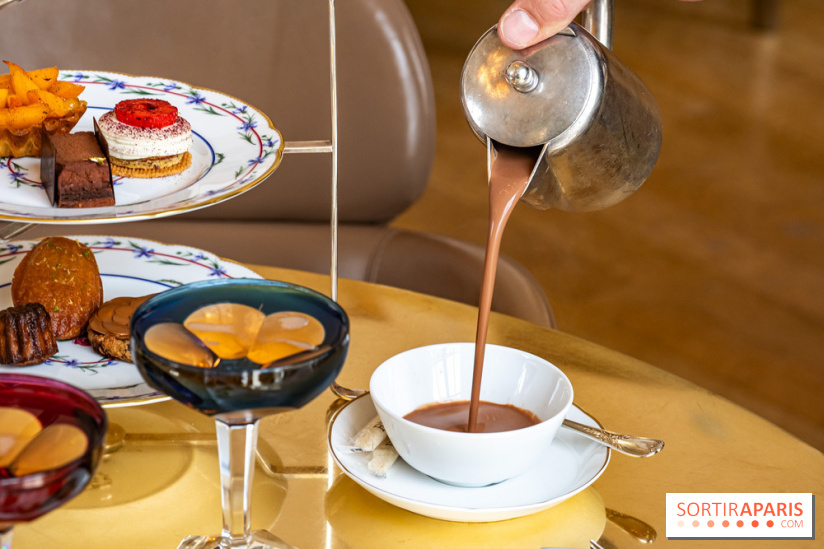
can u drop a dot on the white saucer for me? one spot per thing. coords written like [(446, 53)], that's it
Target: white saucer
[(572, 463)]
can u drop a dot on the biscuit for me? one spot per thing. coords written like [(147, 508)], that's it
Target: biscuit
[(109, 345), (109, 327), (146, 173)]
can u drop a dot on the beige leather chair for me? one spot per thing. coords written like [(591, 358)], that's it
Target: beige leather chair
[(273, 54)]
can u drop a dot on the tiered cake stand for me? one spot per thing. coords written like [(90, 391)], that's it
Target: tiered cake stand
[(236, 147)]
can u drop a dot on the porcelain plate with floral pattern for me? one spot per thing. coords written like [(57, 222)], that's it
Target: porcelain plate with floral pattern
[(235, 147), (128, 267)]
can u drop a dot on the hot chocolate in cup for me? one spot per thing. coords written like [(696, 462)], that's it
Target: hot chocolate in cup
[(434, 374)]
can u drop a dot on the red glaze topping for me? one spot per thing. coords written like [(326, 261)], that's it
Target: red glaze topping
[(146, 113)]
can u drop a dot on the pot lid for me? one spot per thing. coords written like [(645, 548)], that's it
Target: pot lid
[(542, 94)]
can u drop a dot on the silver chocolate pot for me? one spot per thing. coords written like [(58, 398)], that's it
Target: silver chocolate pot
[(595, 126)]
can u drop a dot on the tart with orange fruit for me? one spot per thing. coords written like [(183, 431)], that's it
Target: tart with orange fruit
[(33, 102)]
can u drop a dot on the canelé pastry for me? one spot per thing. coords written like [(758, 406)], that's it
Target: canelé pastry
[(62, 275), (26, 335), (75, 172), (109, 330), (146, 138)]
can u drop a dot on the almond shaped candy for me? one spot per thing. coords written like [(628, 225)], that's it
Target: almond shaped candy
[(286, 333), (174, 342), (55, 446), (17, 428), (228, 329)]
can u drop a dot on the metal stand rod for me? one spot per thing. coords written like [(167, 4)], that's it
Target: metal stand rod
[(4, 4), (298, 147), (13, 229), (330, 146), (333, 84)]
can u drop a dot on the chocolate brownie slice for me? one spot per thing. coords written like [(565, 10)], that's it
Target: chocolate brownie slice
[(75, 172)]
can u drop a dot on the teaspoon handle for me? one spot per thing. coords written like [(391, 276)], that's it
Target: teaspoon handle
[(635, 527), (626, 444)]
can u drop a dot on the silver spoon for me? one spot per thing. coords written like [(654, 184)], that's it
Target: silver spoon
[(626, 444), (633, 526), (592, 545)]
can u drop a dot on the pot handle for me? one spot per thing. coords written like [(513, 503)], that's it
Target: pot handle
[(597, 19)]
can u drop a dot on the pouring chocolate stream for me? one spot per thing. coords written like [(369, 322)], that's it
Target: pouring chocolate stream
[(508, 179)]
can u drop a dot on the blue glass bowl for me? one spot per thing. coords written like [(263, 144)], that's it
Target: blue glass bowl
[(241, 386)]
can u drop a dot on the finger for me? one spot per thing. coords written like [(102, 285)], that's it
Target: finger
[(527, 22)]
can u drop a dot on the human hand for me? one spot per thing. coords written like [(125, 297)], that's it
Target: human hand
[(527, 22)]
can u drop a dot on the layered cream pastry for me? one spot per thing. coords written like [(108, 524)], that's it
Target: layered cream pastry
[(146, 138)]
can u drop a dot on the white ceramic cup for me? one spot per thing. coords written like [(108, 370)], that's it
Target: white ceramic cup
[(443, 373)]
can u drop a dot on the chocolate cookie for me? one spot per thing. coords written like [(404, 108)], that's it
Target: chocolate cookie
[(108, 330)]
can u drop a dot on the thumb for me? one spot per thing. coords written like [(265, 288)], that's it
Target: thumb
[(527, 22)]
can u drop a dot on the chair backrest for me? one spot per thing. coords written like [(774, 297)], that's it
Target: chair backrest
[(273, 54)]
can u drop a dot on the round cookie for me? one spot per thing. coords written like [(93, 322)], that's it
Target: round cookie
[(108, 330), (110, 346), (146, 169)]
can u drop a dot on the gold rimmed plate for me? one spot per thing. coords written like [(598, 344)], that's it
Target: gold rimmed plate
[(235, 147), (128, 267)]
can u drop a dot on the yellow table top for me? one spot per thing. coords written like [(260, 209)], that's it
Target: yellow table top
[(163, 483)]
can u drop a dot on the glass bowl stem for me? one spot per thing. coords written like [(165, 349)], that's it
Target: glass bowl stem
[(6, 531), (236, 448)]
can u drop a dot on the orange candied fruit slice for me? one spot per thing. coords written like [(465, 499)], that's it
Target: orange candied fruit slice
[(228, 329), (284, 334)]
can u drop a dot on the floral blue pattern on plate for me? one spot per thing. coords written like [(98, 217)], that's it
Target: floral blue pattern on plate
[(235, 148), (128, 267)]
